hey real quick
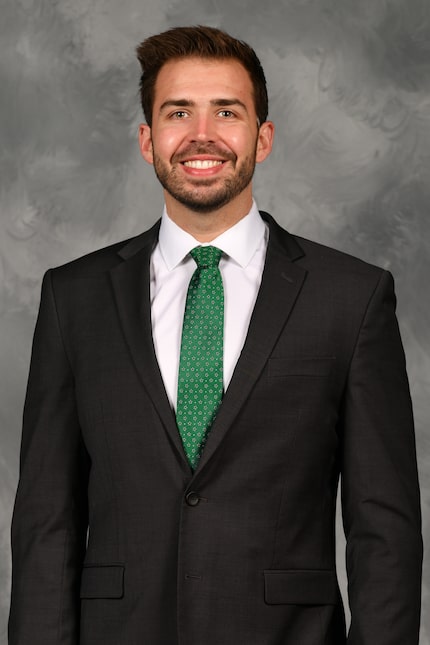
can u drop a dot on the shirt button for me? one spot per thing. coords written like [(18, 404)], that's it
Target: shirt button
[(192, 498)]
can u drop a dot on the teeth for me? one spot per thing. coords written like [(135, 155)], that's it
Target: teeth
[(202, 164)]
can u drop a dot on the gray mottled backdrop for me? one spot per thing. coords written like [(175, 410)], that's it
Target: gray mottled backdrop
[(349, 83)]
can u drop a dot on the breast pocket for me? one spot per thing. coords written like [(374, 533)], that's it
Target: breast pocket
[(302, 366)]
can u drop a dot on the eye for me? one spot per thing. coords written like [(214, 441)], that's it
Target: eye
[(226, 114), (178, 114)]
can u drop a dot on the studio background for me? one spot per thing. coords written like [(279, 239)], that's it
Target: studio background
[(349, 86)]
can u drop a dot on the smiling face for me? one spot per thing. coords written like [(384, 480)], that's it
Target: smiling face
[(205, 140)]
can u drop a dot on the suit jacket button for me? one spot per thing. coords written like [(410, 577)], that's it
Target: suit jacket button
[(192, 498)]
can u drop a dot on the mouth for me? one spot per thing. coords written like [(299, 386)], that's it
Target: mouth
[(202, 164)]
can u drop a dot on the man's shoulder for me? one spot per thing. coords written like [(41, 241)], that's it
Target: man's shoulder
[(314, 255), (332, 258), (99, 260), (102, 260)]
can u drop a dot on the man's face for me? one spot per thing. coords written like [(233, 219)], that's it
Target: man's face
[(204, 140)]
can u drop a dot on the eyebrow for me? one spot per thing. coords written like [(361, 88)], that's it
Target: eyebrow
[(214, 102)]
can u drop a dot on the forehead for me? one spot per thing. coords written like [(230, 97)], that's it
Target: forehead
[(200, 77)]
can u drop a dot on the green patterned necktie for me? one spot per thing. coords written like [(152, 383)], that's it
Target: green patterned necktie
[(200, 382)]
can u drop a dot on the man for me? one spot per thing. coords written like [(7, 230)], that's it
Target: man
[(194, 394)]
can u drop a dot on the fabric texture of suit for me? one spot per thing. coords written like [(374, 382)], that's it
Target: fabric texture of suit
[(242, 552)]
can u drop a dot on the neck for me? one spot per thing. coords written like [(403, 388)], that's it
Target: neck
[(205, 227)]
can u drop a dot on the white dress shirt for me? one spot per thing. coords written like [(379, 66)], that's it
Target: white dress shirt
[(241, 266)]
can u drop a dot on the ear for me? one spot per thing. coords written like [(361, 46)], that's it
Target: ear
[(265, 141), (145, 142)]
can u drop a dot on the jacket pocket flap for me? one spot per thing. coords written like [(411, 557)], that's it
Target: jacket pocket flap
[(102, 581), (318, 366), (301, 587)]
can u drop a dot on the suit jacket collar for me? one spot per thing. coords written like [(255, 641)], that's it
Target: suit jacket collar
[(143, 241), (280, 286), (281, 240), (131, 286)]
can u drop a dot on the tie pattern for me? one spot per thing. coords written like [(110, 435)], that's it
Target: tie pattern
[(200, 381)]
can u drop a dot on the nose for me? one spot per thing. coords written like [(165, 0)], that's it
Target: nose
[(203, 128)]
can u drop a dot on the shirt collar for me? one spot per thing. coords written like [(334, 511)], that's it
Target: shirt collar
[(238, 242)]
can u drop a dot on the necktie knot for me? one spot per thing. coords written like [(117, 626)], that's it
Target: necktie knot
[(206, 257)]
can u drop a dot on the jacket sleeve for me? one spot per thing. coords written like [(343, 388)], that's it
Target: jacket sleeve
[(380, 494), (50, 519)]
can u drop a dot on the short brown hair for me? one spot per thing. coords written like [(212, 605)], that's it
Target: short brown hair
[(201, 42)]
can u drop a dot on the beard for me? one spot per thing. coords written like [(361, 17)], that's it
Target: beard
[(206, 195)]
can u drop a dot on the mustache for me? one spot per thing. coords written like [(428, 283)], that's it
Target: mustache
[(203, 149)]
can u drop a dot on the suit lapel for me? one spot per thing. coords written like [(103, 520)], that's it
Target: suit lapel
[(280, 286), (131, 286)]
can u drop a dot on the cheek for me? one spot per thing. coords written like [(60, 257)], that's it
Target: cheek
[(167, 142), (241, 141)]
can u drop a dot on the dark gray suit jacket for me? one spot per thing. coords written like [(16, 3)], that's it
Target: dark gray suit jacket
[(242, 552)]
